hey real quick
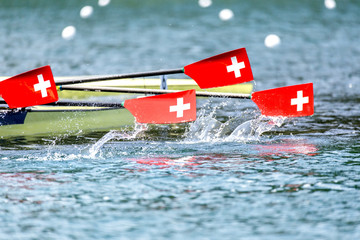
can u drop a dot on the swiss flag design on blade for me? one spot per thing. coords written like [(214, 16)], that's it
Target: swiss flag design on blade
[(291, 101), (221, 70), (165, 108), (31, 88)]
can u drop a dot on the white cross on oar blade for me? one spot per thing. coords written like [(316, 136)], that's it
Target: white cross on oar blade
[(235, 67), (299, 101), (180, 107), (42, 86)]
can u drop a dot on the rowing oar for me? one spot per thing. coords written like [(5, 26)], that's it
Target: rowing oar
[(38, 87), (225, 69), (167, 108), (290, 101), (151, 91)]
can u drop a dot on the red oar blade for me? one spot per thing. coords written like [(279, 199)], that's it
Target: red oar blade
[(31, 88), (291, 101), (221, 70), (165, 108)]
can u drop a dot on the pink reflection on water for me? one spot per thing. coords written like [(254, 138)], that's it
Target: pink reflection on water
[(164, 161), (26, 181), (257, 154), (187, 161), (287, 148)]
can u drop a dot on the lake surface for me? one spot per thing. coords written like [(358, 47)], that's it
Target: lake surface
[(231, 174)]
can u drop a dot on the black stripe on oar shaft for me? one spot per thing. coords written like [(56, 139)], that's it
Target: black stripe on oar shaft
[(152, 91), (120, 76), (223, 95), (86, 104), (81, 104)]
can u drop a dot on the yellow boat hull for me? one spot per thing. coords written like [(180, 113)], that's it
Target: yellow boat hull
[(51, 121)]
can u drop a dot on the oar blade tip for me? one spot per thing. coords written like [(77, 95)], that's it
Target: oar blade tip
[(225, 69), (291, 101), (168, 108), (30, 88)]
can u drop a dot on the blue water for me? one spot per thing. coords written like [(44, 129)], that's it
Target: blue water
[(229, 175)]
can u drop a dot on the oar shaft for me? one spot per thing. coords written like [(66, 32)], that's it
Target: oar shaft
[(120, 76), (81, 104), (152, 91), (86, 104)]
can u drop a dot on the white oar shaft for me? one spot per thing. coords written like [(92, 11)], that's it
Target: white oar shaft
[(152, 91)]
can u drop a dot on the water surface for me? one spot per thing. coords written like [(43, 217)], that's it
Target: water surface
[(232, 174)]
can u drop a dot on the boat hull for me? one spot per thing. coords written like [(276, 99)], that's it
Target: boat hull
[(52, 121)]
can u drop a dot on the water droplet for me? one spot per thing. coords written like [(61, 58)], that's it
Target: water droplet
[(86, 11), (205, 3), (226, 14), (68, 33), (330, 4), (103, 3), (272, 40)]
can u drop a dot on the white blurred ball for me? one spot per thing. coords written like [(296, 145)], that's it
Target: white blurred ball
[(205, 3), (272, 40), (226, 14), (86, 11), (103, 3), (330, 4), (68, 33)]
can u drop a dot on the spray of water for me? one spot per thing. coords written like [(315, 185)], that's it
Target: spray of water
[(117, 135), (207, 128), (253, 129), (247, 126)]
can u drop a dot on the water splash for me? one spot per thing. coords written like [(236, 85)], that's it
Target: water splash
[(206, 125), (210, 126), (208, 129), (253, 129), (117, 135)]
